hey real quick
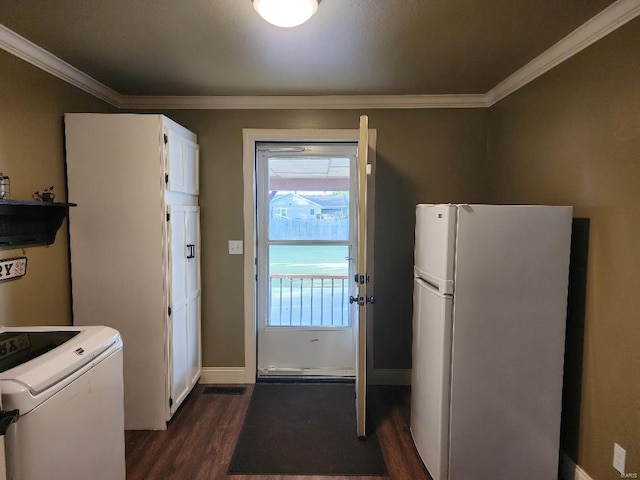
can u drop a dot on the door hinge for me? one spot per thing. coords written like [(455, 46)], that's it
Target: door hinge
[(361, 279), (170, 402), (166, 178), (166, 138), (168, 216), (169, 311)]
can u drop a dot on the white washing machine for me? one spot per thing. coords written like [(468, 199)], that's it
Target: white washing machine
[(66, 383)]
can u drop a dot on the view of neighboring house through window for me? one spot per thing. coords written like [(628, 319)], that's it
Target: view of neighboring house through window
[(309, 282)]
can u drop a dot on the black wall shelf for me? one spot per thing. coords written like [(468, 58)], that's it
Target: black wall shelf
[(24, 223)]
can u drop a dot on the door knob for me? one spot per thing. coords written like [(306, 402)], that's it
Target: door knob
[(358, 300)]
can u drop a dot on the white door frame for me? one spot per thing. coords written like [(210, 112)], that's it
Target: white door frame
[(250, 137)]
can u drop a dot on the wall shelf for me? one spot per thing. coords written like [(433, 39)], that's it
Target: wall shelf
[(24, 223)]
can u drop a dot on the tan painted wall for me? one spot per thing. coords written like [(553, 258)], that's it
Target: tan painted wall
[(32, 103), (422, 156), (573, 137)]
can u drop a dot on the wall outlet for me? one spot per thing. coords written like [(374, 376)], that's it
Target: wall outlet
[(235, 247), (619, 455)]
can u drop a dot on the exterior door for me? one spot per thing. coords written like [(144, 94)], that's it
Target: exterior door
[(306, 251), (362, 279)]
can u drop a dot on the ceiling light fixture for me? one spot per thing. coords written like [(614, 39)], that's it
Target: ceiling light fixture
[(286, 13)]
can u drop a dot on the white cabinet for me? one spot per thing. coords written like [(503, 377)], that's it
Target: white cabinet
[(135, 251)]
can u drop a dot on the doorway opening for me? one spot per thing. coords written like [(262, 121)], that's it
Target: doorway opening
[(251, 139), (306, 247)]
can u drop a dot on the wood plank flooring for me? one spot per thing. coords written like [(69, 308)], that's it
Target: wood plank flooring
[(201, 438)]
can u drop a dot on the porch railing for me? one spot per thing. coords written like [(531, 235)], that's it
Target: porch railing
[(299, 300)]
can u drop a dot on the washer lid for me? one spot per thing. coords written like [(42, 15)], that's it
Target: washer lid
[(17, 348), (51, 355)]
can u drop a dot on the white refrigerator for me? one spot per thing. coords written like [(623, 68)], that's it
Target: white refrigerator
[(490, 298)]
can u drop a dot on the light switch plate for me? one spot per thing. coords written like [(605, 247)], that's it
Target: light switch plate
[(235, 247)]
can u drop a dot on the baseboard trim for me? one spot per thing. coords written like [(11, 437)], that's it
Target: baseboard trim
[(390, 376), (222, 375), (236, 375), (571, 471)]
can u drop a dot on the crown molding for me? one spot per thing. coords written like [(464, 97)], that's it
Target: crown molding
[(320, 102), (41, 58), (613, 17)]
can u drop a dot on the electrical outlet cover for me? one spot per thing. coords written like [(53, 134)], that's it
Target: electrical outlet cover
[(619, 455)]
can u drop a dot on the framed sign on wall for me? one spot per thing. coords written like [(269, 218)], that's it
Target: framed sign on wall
[(13, 268)]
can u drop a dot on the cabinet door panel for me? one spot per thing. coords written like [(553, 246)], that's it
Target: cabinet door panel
[(180, 369), (182, 164), (178, 240), (175, 163), (193, 291), (194, 339), (193, 243), (178, 320), (191, 167)]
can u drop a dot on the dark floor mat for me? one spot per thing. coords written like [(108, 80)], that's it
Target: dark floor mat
[(304, 429)]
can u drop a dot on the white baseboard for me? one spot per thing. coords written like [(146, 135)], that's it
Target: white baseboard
[(571, 471), (390, 376), (236, 375), (222, 375)]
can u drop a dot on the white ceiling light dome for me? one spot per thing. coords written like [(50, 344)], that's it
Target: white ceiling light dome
[(286, 13)]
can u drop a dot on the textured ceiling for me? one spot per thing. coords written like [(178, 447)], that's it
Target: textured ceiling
[(350, 47)]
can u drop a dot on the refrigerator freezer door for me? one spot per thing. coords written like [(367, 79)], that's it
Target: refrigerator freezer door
[(432, 322), (434, 245)]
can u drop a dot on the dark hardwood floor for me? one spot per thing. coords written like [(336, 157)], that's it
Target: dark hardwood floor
[(201, 438)]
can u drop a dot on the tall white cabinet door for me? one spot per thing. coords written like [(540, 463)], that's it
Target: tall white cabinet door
[(193, 293), (178, 319), (184, 321)]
